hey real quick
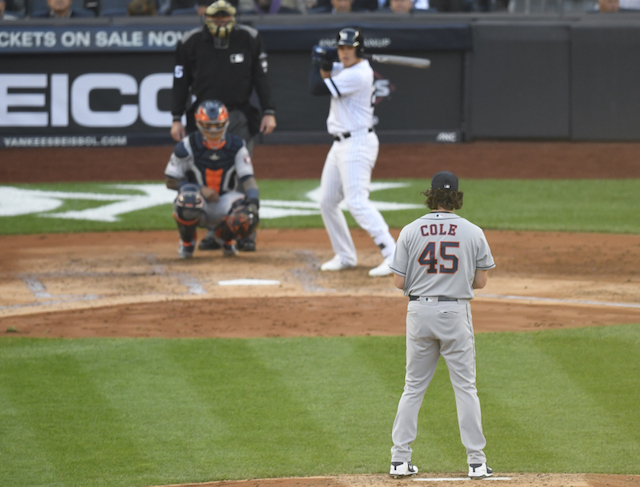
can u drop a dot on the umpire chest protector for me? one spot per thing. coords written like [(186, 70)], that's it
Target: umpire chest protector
[(216, 168), (228, 74)]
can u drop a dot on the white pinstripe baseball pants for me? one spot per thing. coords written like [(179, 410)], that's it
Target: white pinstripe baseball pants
[(346, 176)]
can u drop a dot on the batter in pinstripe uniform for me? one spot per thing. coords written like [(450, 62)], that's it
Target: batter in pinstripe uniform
[(347, 169), (440, 259)]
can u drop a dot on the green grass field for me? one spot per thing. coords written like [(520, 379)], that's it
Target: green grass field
[(609, 206), (139, 412), (134, 412)]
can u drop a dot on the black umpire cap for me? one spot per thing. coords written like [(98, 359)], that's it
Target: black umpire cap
[(445, 180)]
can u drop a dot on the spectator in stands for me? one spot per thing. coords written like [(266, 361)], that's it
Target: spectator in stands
[(8, 8), (343, 6), (141, 7), (203, 4), (405, 6), (187, 6), (268, 7), (401, 6), (608, 6), (454, 5), (181, 6), (621, 6), (60, 9)]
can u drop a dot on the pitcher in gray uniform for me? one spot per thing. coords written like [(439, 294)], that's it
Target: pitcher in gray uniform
[(439, 260)]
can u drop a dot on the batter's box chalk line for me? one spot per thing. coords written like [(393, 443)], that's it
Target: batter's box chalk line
[(456, 479), (249, 282)]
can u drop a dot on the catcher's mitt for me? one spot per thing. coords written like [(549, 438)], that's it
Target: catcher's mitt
[(240, 222)]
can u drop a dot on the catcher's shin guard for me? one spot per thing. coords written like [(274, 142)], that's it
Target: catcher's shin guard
[(188, 210), (187, 229)]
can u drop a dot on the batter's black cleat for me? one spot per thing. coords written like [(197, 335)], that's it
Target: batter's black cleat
[(246, 245), (402, 469), (209, 243), (479, 471)]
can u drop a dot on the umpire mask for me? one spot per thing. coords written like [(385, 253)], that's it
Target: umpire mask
[(220, 18)]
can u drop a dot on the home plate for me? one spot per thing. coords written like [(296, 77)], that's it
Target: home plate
[(249, 282), (455, 479)]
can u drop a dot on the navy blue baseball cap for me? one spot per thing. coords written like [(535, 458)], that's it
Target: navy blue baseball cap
[(445, 180)]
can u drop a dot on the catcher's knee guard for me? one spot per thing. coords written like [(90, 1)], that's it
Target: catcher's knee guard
[(187, 211), (188, 205)]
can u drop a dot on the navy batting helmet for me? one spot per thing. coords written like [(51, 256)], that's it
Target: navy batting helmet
[(212, 119), (351, 37)]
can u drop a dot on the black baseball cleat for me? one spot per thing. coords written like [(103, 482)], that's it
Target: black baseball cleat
[(246, 245), (402, 469), (479, 471), (209, 243)]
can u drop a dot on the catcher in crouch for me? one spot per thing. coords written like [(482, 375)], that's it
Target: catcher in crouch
[(208, 168)]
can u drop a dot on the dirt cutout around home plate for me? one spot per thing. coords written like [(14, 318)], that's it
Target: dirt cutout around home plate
[(132, 284)]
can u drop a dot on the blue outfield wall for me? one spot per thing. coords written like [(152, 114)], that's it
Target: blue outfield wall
[(105, 82)]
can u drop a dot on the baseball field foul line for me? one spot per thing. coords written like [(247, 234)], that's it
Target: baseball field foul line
[(554, 300), (455, 479)]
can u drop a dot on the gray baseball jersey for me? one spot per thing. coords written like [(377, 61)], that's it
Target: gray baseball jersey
[(448, 248), (438, 255)]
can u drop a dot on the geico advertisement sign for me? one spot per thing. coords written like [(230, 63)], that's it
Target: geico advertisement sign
[(72, 102)]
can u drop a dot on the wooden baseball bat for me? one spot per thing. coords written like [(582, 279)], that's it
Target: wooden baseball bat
[(413, 62)]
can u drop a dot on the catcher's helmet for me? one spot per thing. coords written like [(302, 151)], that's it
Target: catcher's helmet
[(220, 8), (212, 119), (351, 37)]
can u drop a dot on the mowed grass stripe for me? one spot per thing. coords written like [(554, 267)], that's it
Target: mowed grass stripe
[(20, 453), (348, 400), (165, 415), (618, 434), (539, 406), (74, 427), (566, 395), (269, 428), (101, 412)]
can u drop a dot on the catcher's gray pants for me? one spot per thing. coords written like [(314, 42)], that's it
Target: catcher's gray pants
[(213, 212), (437, 328)]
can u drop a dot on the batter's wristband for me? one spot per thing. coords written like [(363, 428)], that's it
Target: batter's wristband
[(269, 112), (177, 118)]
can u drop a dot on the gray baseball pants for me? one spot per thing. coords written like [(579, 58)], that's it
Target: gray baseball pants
[(433, 329), (213, 212)]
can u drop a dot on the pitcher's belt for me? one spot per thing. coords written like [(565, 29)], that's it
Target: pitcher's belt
[(434, 298)]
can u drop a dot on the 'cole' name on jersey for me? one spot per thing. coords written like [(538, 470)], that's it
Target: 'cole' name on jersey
[(434, 229)]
